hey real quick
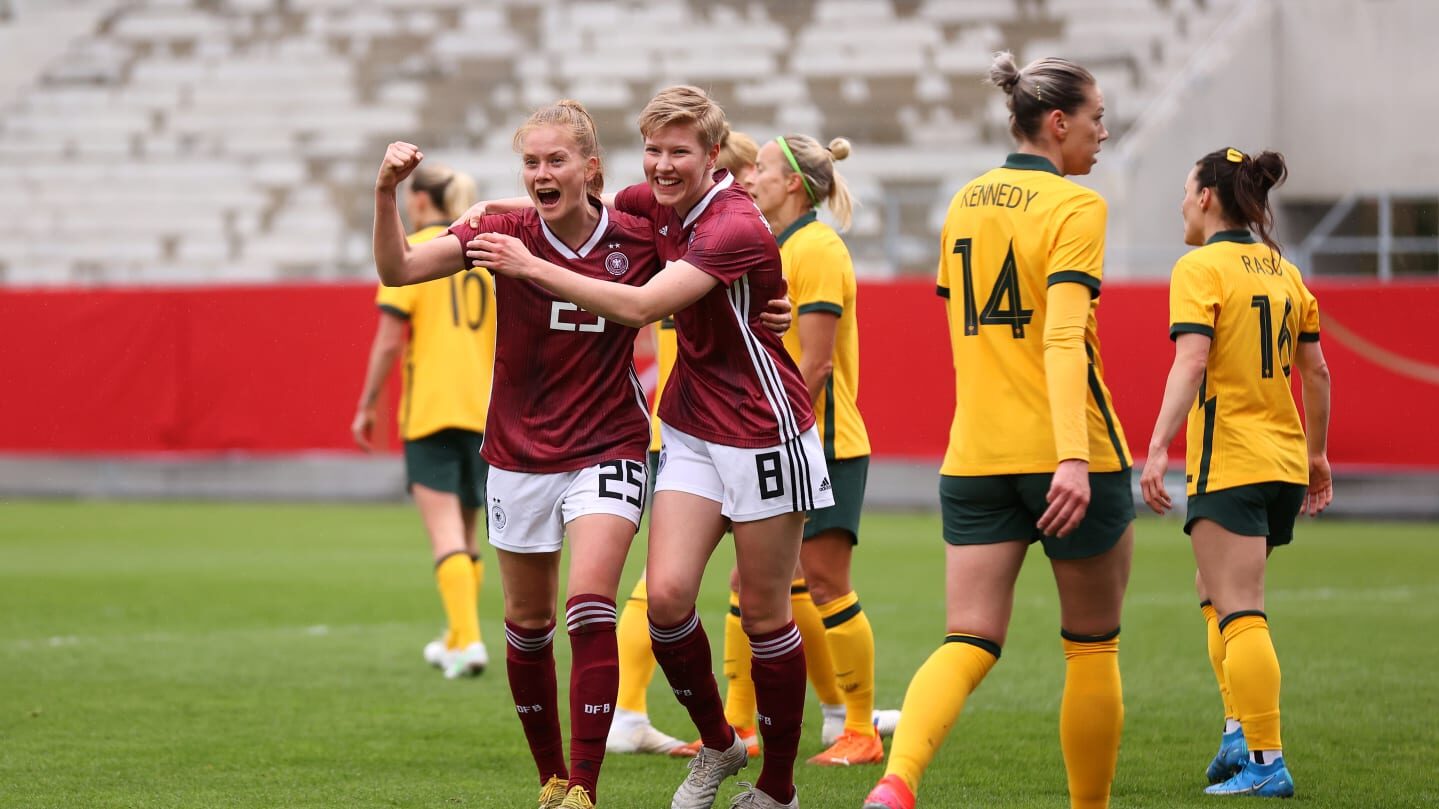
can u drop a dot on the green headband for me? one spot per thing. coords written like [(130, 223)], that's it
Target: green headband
[(794, 164)]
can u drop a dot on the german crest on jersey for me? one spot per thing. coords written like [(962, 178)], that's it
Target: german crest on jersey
[(617, 263)]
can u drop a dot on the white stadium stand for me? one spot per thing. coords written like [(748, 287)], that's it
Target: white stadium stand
[(236, 139)]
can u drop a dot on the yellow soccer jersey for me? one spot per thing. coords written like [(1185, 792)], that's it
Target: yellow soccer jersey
[(667, 346), (1245, 426), (450, 356), (1010, 234), (821, 279)]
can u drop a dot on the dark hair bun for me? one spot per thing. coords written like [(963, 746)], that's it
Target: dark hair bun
[(1270, 170)]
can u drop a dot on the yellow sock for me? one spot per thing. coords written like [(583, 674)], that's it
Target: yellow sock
[(935, 697), (851, 646), (817, 662), (1215, 642), (637, 660), (1091, 717), (739, 699), (479, 585), (456, 579), (1253, 672)]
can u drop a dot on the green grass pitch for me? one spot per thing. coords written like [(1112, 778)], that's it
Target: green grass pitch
[(202, 655)]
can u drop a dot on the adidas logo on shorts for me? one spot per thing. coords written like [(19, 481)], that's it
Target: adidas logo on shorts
[(824, 485)]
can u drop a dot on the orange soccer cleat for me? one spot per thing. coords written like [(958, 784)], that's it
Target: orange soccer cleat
[(850, 749)]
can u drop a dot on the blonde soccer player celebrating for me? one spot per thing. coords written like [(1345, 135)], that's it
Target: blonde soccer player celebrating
[(448, 356), (1242, 321), (567, 432), (632, 731), (1036, 453), (739, 440)]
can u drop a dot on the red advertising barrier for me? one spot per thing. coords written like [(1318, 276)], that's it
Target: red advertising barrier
[(277, 369)]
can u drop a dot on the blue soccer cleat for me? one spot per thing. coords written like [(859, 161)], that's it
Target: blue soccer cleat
[(1233, 752), (1258, 780)]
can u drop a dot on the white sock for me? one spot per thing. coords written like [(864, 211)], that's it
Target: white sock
[(623, 716), (1231, 725), (1265, 756)]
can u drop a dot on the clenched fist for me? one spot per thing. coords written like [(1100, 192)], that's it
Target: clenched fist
[(400, 159)]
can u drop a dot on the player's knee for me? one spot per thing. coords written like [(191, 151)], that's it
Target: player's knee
[(668, 605), (531, 617), (760, 615)]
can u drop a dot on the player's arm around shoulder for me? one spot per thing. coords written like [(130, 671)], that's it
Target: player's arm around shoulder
[(676, 286)]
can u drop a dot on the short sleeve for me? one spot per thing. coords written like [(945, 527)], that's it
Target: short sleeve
[(506, 223), (1309, 325), (1078, 253), (638, 200), (726, 247), (1194, 297), (398, 301), (817, 277)]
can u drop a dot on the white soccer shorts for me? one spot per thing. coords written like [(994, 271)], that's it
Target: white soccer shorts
[(749, 484), (527, 513)]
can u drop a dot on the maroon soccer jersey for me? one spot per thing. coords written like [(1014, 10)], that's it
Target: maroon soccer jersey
[(566, 395), (733, 382)]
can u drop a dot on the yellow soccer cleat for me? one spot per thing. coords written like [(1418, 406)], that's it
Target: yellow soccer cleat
[(552, 794), (577, 798)]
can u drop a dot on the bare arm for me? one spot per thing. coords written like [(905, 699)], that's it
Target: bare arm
[(1314, 381), (1191, 357), (397, 261), (389, 341), (816, 346), (677, 286)]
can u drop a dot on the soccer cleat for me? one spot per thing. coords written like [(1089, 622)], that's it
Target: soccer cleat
[(577, 798), (552, 794), (886, 721), (753, 798), (1258, 780), (749, 734), (890, 793), (1233, 752), (833, 725), (631, 732), (467, 662), (708, 769), (435, 653), (851, 749)]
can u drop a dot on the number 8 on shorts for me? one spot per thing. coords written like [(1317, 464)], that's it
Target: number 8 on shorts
[(748, 483)]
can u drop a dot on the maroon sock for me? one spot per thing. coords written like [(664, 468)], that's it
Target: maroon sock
[(530, 663), (778, 672), (594, 685), (683, 651)]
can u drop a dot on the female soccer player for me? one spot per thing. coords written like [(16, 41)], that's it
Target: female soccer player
[(632, 731), (1035, 451), (1241, 319), (794, 175), (448, 356), (567, 430), (739, 438)]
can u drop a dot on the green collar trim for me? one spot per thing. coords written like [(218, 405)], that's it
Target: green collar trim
[(1029, 162), (1240, 236), (794, 227)]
